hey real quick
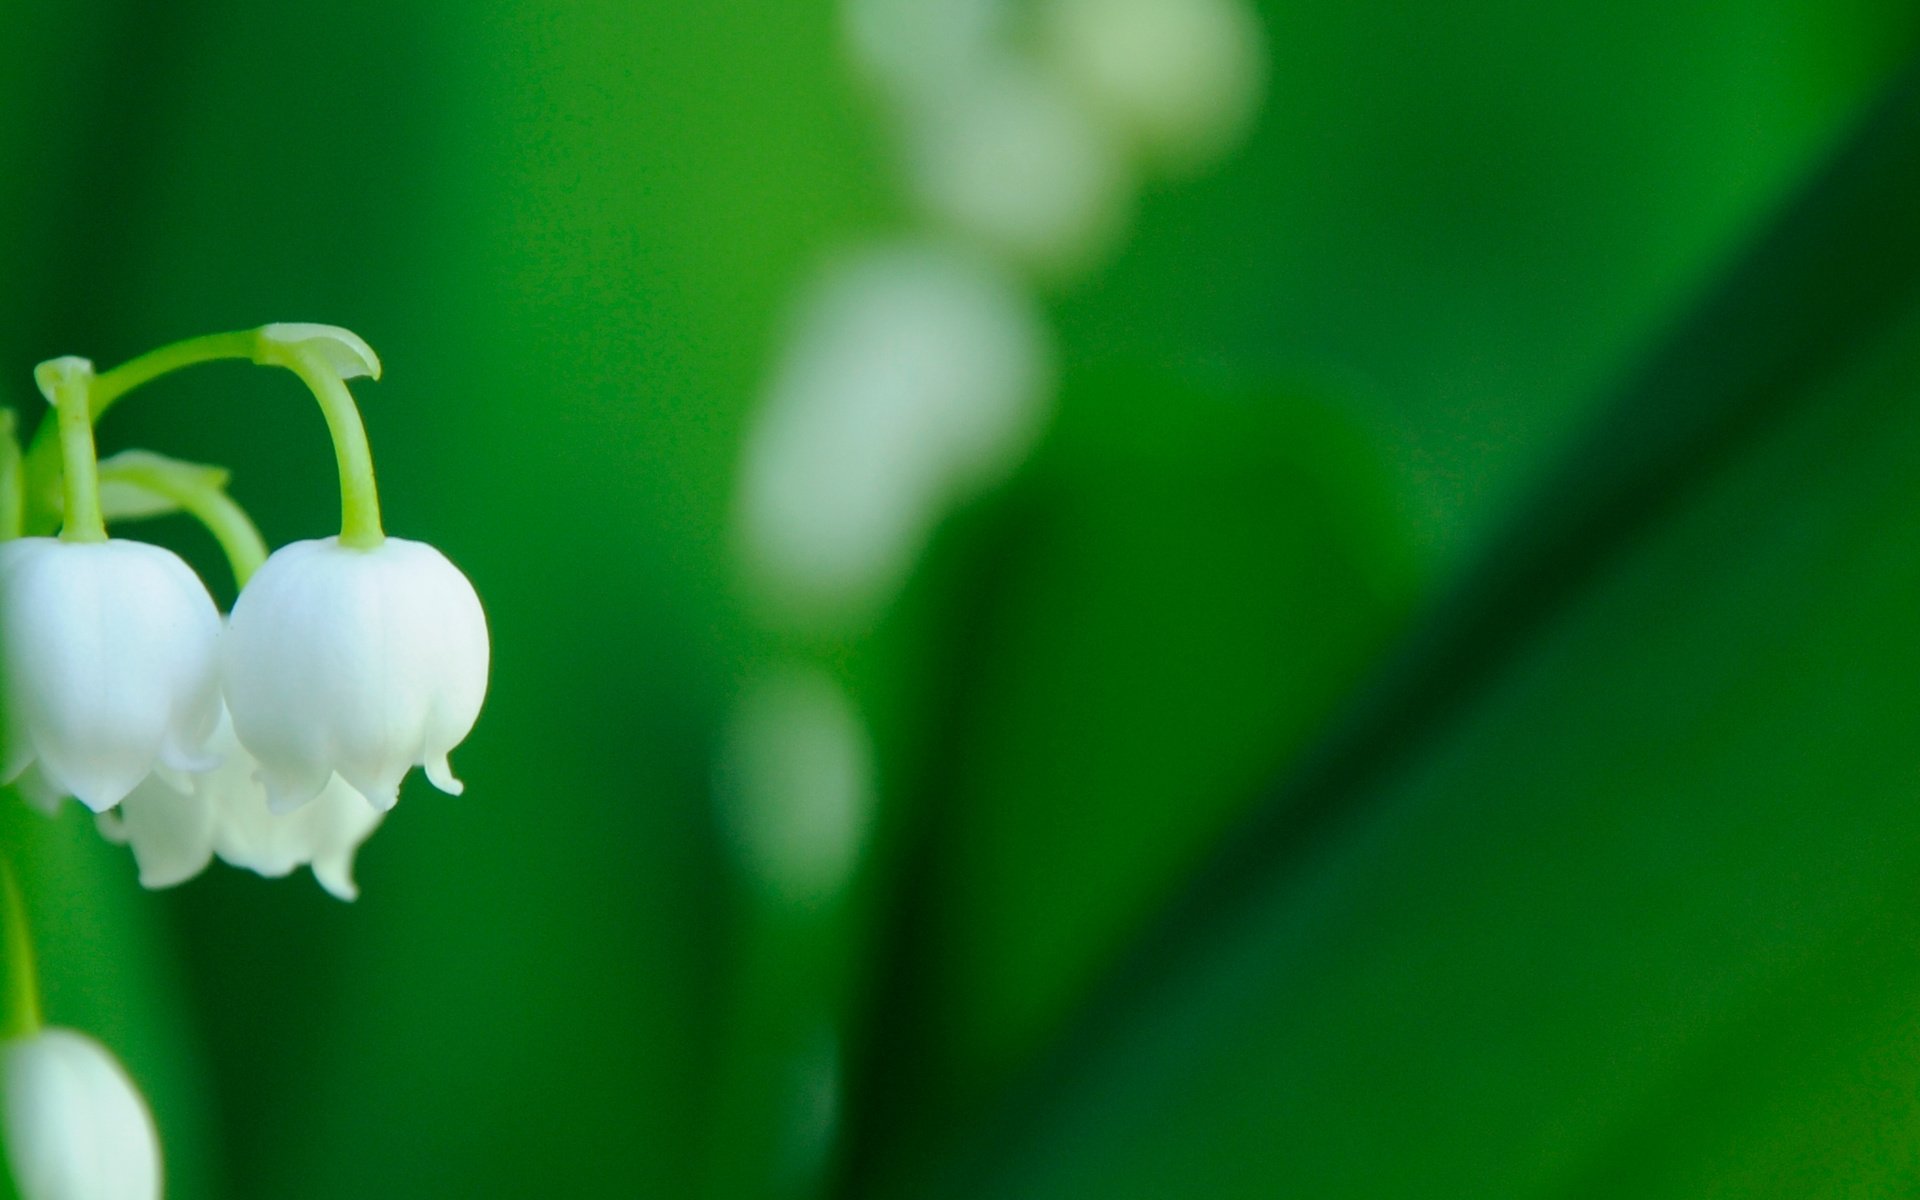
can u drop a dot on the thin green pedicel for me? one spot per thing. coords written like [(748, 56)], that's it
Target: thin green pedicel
[(21, 1016)]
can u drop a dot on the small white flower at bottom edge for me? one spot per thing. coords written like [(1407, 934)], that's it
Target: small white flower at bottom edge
[(72, 1124), (174, 835)]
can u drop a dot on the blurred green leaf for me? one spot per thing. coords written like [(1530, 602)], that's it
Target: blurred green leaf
[(1190, 578), (1471, 213), (1638, 819)]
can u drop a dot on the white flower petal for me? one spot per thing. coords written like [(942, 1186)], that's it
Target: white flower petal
[(74, 1125), (324, 833), (332, 830), (171, 833), (174, 835), (440, 774), (358, 662), (109, 652)]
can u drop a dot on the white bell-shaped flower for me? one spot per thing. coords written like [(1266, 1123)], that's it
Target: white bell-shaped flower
[(357, 662), (73, 1125), (111, 665), (175, 834)]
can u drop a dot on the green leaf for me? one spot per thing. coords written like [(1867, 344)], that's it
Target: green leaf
[(1610, 886), (1187, 583)]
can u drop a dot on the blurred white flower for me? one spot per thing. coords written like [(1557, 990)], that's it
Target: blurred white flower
[(110, 662), (74, 1125), (1180, 79), (919, 49), (175, 834), (795, 784), (915, 377), (1013, 162), (360, 662)]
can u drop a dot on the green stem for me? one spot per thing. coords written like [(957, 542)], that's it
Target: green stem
[(67, 383), (212, 347), (207, 503), (13, 480), (21, 1016), (43, 455), (359, 497)]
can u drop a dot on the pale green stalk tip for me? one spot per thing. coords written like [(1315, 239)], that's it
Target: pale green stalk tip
[(66, 383)]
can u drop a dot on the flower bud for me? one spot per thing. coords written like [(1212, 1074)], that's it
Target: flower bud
[(360, 662), (110, 663), (72, 1124)]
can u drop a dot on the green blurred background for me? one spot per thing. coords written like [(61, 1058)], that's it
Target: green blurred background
[(1636, 919)]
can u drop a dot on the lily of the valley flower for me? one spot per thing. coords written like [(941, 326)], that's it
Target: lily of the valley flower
[(278, 742), (72, 1123), (111, 666), (174, 834), (360, 662)]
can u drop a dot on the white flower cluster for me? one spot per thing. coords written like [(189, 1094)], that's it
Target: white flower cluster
[(1025, 127), (918, 372), (275, 738)]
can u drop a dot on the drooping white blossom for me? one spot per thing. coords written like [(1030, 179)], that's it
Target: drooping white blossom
[(110, 664), (915, 377), (174, 834), (357, 662), (1012, 161), (72, 1124)]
